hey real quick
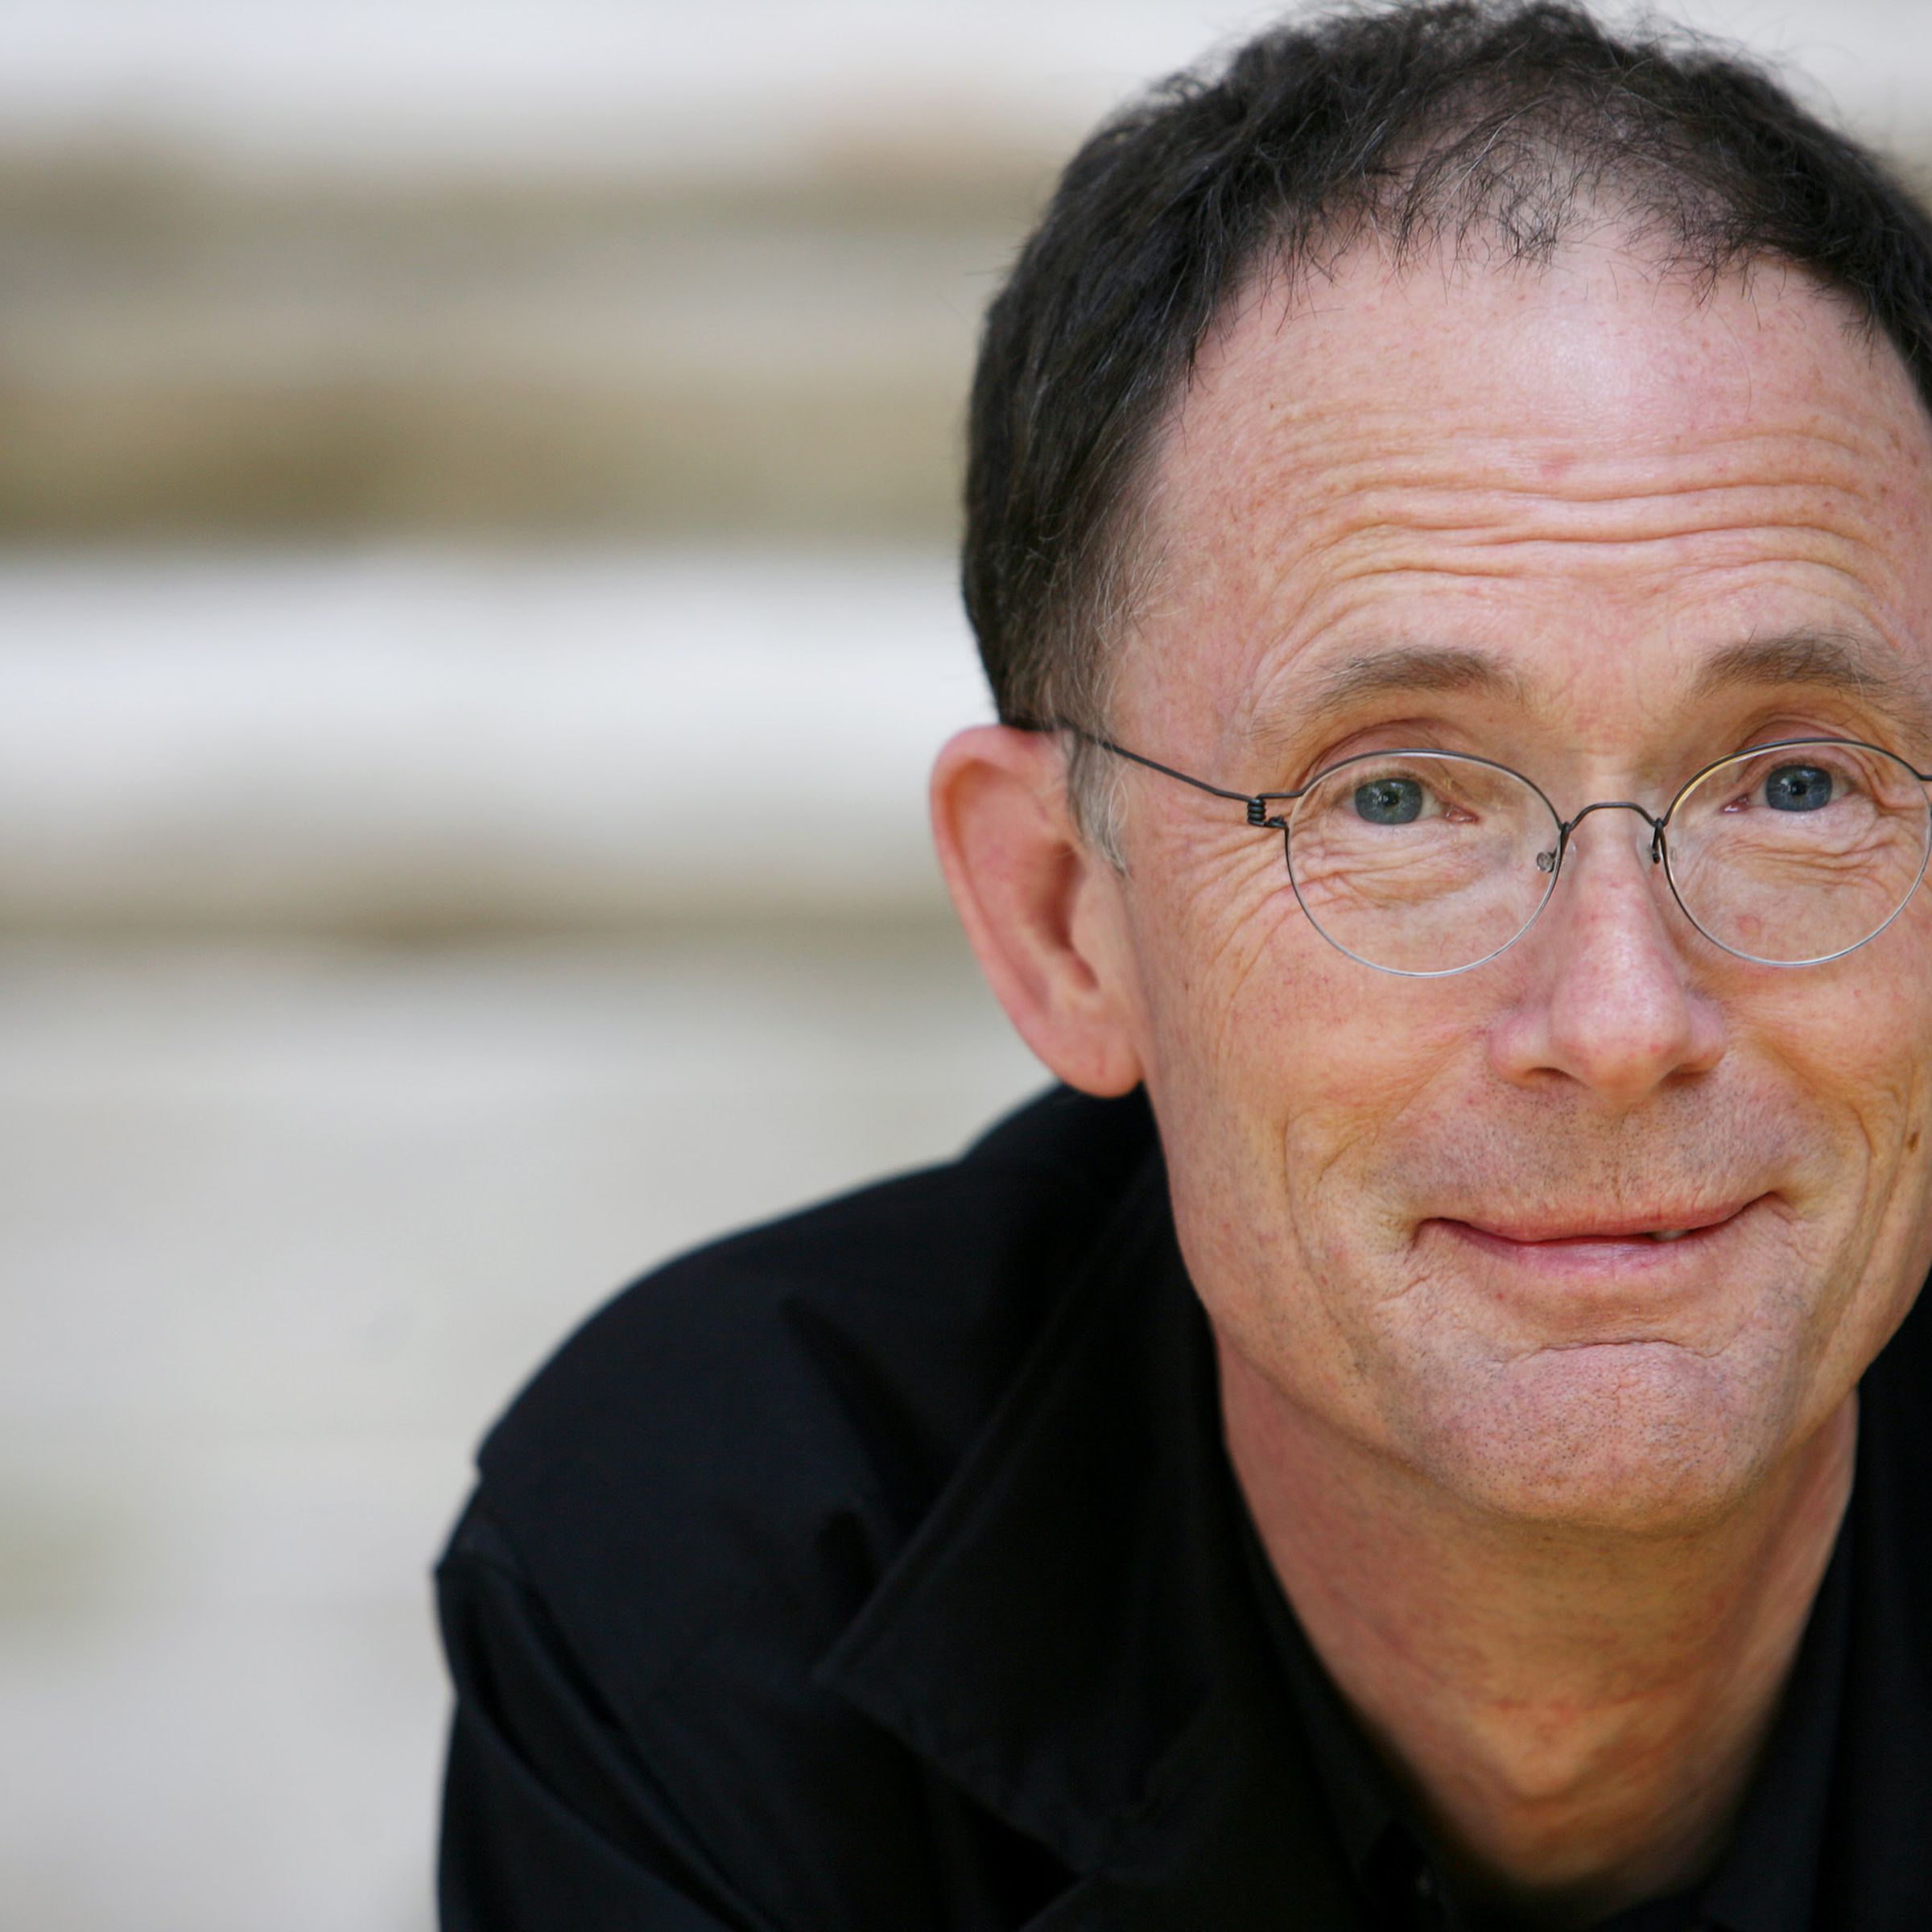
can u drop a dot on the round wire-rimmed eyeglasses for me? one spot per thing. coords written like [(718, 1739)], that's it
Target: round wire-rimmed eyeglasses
[(1425, 863)]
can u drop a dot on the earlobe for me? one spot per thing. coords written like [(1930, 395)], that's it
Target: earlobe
[(1040, 909)]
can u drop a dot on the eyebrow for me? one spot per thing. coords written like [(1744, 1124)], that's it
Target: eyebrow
[(1822, 660), (1412, 668)]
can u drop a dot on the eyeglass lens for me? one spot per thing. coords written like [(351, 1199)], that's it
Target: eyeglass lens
[(1423, 862)]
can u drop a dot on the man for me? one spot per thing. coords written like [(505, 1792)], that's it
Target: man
[(1421, 1434)]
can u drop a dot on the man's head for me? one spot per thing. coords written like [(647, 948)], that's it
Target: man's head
[(1491, 134), (1583, 383)]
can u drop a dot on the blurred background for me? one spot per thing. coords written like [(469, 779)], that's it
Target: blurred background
[(477, 488)]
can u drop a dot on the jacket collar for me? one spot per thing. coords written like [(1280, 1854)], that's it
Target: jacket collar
[(1069, 1638), (1876, 1870)]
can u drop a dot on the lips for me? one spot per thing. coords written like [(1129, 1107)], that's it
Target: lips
[(1672, 1223), (1585, 1252)]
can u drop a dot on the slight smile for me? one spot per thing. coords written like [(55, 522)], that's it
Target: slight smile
[(1592, 1245)]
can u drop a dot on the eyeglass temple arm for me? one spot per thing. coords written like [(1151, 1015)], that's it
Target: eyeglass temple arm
[(1258, 806)]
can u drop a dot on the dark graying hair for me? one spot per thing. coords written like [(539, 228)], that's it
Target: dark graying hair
[(1422, 123)]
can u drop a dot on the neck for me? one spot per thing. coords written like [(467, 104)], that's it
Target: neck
[(1577, 1716)]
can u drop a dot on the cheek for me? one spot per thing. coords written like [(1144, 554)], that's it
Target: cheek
[(1355, 1052), (1855, 1037), (1858, 1044), (1848, 1048), (1279, 1069), (1258, 1030)]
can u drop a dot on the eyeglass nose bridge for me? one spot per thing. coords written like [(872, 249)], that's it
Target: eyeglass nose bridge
[(1551, 861)]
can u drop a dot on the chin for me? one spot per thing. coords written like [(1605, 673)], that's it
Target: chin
[(1635, 1437)]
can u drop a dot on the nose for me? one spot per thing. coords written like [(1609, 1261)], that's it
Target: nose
[(1608, 1001)]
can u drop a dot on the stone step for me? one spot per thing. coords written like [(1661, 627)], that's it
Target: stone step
[(416, 743)]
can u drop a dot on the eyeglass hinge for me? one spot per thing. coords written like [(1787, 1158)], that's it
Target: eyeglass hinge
[(1258, 811)]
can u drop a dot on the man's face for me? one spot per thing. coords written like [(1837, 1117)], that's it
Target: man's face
[(1421, 1208)]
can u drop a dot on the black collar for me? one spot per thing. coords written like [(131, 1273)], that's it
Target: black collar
[(1070, 1636)]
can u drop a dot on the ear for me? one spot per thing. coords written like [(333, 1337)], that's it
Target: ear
[(1042, 910)]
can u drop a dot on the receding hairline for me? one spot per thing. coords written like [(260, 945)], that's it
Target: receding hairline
[(1134, 539), (1637, 209), (1291, 286)]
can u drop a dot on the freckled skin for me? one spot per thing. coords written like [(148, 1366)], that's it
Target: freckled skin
[(1607, 479)]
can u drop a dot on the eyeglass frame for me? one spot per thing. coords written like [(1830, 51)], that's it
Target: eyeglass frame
[(1257, 804)]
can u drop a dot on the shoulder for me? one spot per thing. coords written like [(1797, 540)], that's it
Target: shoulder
[(687, 1507), (753, 1430)]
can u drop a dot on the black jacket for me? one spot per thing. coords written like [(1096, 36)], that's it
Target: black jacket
[(881, 1569)]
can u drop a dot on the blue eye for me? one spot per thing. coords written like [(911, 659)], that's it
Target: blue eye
[(1389, 801), (1797, 788)]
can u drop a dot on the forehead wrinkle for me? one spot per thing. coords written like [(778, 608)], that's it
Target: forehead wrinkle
[(1511, 512), (1826, 437), (1364, 543), (1500, 493), (1353, 536)]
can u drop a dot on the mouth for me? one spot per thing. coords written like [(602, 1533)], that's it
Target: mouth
[(1673, 1233)]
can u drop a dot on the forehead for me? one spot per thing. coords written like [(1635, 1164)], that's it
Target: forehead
[(1592, 449)]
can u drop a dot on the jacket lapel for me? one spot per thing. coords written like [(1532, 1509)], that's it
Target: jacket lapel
[(1069, 1638)]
